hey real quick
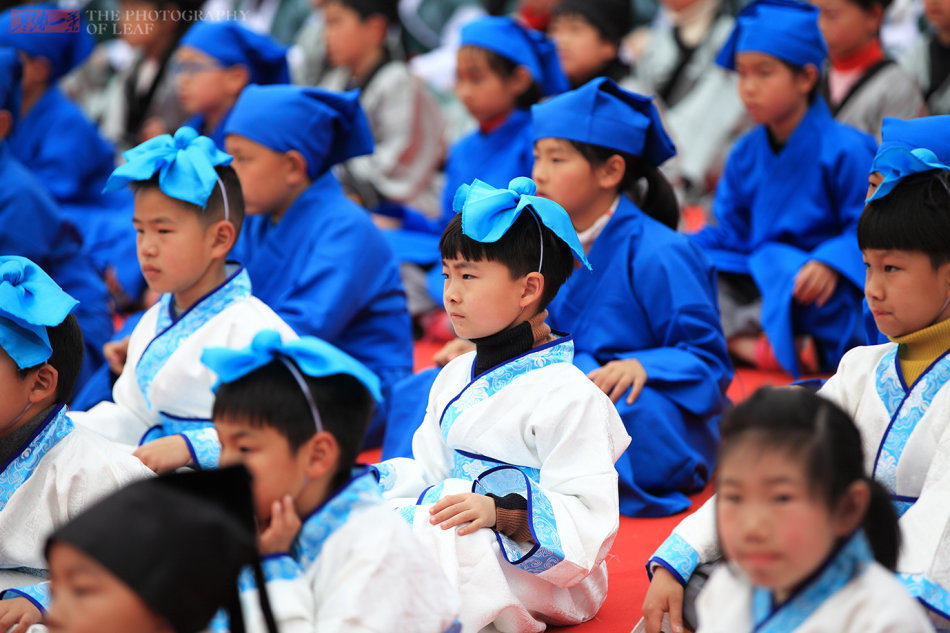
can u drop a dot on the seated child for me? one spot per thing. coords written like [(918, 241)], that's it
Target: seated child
[(312, 254), (294, 413), (788, 202), (811, 540), (861, 84), (50, 469), (645, 320), (215, 61), (518, 446), (897, 393), (929, 59), (405, 118), (188, 213), (588, 35), (160, 555), (34, 227)]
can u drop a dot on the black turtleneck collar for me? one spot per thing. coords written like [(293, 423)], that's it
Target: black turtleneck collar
[(495, 349)]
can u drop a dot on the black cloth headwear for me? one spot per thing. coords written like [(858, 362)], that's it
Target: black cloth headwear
[(179, 541), (612, 18)]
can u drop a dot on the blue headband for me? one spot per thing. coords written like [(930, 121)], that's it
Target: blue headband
[(64, 48), (896, 163), (602, 113), (10, 75), (30, 301), (326, 127), (185, 165), (306, 355), (232, 45), (786, 29), (526, 47), (488, 213)]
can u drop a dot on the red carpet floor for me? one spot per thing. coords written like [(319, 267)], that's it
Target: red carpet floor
[(637, 538)]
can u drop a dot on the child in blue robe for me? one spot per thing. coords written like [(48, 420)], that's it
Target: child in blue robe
[(789, 200), (215, 61), (313, 254)]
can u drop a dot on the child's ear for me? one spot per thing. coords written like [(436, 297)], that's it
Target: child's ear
[(852, 507), (520, 80), (610, 173), (323, 455), (806, 79), (45, 380), (223, 238), (379, 26), (237, 78), (297, 172), (533, 289)]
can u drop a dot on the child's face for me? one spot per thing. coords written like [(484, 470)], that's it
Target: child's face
[(484, 93), (846, 26), (770, 522), (938, 13), (14, 394), (904, 291), (875, 178), (480, 297), (204, 85), (139, 28), (276, 470), (348, 36), (770, 90), (565, 176), (174, 247), (88, 598), (262, 172), (580, 48)]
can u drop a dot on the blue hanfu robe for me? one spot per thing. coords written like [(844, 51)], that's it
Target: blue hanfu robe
[(652, 296), (33, 227), (777, 210), (328, 272), (65, 151)]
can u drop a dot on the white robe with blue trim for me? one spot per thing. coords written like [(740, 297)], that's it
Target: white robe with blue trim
[(165, 389), (538, 427)]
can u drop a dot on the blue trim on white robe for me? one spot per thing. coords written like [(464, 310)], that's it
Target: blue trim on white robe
[(677, 557), (21, 466)]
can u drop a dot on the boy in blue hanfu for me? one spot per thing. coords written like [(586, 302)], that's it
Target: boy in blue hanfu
[(518, 446), (313, 254), (788, 202), (49, 469), (188, 213), (215, 61), (336, 558)]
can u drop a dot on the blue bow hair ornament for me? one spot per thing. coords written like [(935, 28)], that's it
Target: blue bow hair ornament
[(896, 163), (185, 165), (30, 301), (488, 213)]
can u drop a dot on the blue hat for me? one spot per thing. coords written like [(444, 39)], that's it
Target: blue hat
[(65, 49), (488, 213), (910, 147), (326, 127), (602, 113), (527, 47), (185, 165), (312, 356), (10, 73), (232, 45), (786, 29), (30, 301)]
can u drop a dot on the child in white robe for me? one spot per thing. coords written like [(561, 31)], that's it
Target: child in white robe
[(517, 448), (897, 392), (49, 469), (188, 213), (336, 558), (810, 539)]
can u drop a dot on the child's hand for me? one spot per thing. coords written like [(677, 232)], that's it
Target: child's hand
[(451, 350), (814, 283), (284, 525), (18, 614), (665, 595), (614, 378), (472, 508), (164, 454), (116, 352)]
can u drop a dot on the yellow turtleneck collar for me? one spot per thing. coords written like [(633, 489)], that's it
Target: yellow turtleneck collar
[(918, 350)]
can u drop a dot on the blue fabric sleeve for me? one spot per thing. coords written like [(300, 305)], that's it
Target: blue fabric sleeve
[(38, 594), (677, 557)]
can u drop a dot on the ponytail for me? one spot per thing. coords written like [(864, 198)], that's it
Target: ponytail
[(880, 526)]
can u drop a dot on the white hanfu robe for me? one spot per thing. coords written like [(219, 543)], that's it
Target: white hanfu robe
[(58, 472), (165, 389), (538, 427), (906, 435), (355, 567), (851, 593)]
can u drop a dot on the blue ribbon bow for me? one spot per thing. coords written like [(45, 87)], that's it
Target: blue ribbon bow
[(185, 164), (30, 301), (896, 163), (488, 213), (314, 357)]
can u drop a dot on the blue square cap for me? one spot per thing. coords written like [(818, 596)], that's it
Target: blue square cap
[(786, 29)]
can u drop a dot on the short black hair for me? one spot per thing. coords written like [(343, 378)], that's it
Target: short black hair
[(914, 216), (519, 250), (798, 70), (388, 9), (213, 210), (270, 397), (505, 68), (67, 343)]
